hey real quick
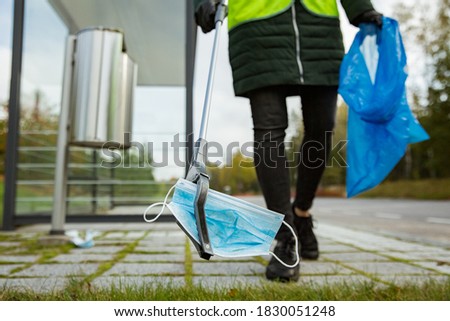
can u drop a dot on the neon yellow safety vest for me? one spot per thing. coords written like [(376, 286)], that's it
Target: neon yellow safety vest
[(241, 11)]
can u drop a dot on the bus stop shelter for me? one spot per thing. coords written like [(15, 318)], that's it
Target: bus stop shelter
[(159, 35)]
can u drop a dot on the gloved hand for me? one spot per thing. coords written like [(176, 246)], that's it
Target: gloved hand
[(370, 16), (205, 14)]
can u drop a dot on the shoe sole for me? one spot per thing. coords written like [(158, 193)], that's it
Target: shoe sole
[(273, 277)]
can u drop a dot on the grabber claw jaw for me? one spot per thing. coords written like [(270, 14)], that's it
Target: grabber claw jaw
[(205, 248), (197, 174)]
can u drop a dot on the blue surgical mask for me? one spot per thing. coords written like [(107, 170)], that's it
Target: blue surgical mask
[(236, 228)]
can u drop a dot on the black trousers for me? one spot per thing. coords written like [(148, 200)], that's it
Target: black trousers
[(270, 120)]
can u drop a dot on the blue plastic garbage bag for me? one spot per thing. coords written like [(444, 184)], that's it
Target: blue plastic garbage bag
[(380, 122)]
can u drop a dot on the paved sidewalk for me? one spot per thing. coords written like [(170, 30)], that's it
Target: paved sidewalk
[(135, 254)]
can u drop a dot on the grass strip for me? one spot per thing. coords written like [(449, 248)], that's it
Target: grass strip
[(431, 290), (188, 266), (425, 189)]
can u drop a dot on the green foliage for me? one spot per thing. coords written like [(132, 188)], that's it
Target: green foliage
[(3, 131), (426, 189), (235, 178), (335, 169), (293, 146), (1, 199), (430, 158), (37, 118)]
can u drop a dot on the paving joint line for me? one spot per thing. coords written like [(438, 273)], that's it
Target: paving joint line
[(188, 263), (396, 259), (119, 256), (359, 272)]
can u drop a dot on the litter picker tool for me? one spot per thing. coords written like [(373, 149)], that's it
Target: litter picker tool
[(237, 228), (197, 171)]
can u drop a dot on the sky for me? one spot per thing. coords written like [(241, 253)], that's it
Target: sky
[(158, 110)]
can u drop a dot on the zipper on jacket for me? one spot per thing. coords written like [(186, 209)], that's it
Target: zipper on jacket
[(297, 43)]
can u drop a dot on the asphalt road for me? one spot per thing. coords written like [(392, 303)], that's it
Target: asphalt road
[(421, 221)]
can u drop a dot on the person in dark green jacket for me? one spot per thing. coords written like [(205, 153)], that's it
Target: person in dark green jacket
[(281, 48)]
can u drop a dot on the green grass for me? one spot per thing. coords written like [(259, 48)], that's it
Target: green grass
[(75, 290), (426, 189), (423, 189)]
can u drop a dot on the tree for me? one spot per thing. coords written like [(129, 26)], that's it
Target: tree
[(335, 172), (237, 178), (336, 167), (3, 131), (430, 158)]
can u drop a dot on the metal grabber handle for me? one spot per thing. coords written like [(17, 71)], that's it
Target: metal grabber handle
[(197, 171)]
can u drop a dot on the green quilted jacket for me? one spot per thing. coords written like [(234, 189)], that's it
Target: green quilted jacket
[(295, 45)]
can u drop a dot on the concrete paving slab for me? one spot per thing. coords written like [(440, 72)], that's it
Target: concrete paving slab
[(52, 270), (154, 258), (100, 227), (438, 266), (336, 248), (324, 241), (15, 251), (164, 234), (318, 281), (27, 236), (39, 285), (215, 258), (225, 268), (226, 282), (102, 249), (79, 257), (18, 258), (164, 241), (6, 269), (388, 268), (413, 279), (371, 241), (112, 242), (137, 281), (419, 256), (122, 269), (115, 236), (160, 249), (411, 247), (135, 235), (160, 239), (311, 268), (175, 232), (9, 244), (354, 257)]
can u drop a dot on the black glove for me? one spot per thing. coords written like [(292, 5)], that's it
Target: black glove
[(205, 14), (370, 16)]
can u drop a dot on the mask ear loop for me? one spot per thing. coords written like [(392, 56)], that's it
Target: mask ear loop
[(163, 204), (296, 249)]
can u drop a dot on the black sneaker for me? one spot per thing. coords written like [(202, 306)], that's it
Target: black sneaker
[(275, 271), (309, 248)]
